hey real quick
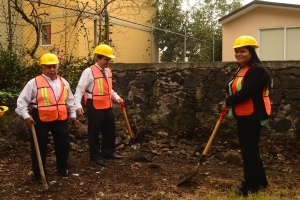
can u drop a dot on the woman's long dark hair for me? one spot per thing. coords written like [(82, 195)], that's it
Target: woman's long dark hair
[(255, 60)]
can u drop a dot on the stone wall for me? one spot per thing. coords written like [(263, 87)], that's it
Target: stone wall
[(187, 97)]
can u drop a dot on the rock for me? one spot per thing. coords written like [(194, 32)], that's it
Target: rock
[(153, 142), (120, 146), (118, 141), (172, 145), (280, 157), (177, 152), (73, 146), (190, 150), (164, 149), (287, 170), (233, 157), (137, 155), (162, 134), (182, 151), (197, 154), (222, 163)]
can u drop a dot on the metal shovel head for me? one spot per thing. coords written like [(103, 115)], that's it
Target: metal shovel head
[(193, 172), (46, 188)]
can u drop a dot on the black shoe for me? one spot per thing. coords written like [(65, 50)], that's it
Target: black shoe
[(243, 191), (264, 185), (64, 173), (114, 156), (100, 162), (38, 179)]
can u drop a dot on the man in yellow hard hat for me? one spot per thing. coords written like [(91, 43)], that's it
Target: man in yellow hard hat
[(52, 104), (96, 84)]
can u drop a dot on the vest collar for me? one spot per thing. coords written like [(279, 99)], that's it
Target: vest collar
[(98, 66), (48, 78)]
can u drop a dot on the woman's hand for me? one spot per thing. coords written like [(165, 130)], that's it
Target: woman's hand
[(224, 107), (120, 100)]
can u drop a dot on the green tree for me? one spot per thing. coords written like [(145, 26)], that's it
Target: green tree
[(170, 17), (198, 24), (205, 26)]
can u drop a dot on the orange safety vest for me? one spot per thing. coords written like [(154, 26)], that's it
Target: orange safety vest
[(246, 107), (101, 93), (49, 108)]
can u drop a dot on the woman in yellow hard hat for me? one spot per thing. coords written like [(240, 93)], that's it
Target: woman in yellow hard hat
[(248, 101)]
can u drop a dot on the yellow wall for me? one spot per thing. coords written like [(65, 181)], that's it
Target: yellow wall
[(131, 42)]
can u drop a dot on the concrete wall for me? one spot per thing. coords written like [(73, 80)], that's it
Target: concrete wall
[(187, 97)]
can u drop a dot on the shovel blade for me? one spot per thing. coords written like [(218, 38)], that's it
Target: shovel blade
[(187, 176)]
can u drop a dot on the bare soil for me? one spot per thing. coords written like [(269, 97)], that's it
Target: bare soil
[(127, 179)]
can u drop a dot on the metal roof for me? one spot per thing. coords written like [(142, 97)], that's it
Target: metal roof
[(255, 4)]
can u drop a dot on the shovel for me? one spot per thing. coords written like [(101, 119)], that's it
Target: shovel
[(137, 155), (193, 172), (37, 149)]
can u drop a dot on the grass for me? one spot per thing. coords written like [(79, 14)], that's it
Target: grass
[(216, 191)]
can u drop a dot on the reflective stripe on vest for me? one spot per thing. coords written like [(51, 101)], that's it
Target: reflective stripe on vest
[(49, 108), (246, 107), (101, 93), (267, 101)]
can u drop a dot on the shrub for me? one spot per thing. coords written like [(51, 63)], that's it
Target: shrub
[(15, 73)]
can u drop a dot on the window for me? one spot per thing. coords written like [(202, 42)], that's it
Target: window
[(272, 44), (293, 43), (46, 34), (280, 44)]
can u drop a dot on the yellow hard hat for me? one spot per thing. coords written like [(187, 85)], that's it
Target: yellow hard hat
[(3, 109), (48, 59), (245, 40), (105, 50)]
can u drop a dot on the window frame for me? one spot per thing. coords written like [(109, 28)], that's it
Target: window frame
[(46, 27)]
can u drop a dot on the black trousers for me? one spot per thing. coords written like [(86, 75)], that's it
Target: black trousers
[(60, 133), (249, 135), (100, 121)]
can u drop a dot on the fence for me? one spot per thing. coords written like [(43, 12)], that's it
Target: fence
[(73, 30)]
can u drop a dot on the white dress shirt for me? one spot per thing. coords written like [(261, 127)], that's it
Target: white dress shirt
[(29, 93), (86, 83)]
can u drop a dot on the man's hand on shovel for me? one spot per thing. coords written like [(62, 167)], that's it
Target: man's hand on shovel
[(29, 122)]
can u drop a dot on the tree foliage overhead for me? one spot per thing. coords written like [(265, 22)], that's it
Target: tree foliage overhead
[(199, 24)]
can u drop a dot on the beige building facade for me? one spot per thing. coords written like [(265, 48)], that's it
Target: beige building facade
[(275, 26)]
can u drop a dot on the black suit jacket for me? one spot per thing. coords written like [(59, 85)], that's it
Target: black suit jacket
[(255, 81)]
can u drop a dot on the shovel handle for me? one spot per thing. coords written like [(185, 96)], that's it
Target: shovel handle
[(223, 114), (126, 119), (38, 154)]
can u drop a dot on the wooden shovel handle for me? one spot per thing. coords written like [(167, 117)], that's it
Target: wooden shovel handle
[(126, 119), (212, 137), (38, 154)]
